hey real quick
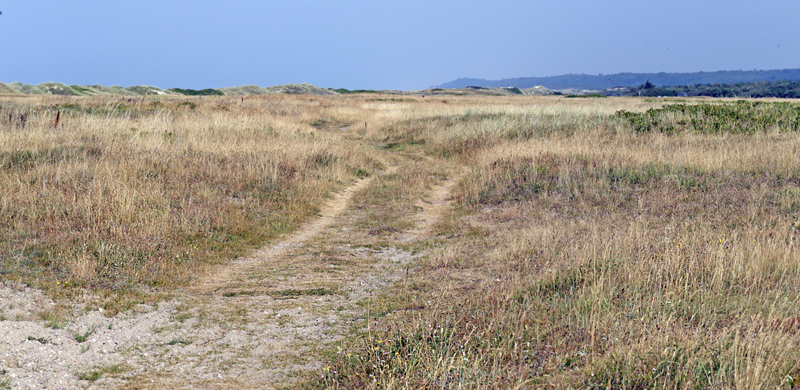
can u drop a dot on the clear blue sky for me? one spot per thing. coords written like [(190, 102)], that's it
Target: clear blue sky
[(380, 44)]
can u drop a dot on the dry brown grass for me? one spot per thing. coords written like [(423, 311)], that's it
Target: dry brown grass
[(581, 254), (132, 192), (578, 252)]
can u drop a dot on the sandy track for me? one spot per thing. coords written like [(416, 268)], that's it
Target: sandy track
[(433, 207), (209, 337), (228, 277), (254, 324)]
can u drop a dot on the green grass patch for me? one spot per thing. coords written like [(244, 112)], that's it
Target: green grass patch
[(294, 293), (83, 90), (742, 117), (197, 92), (514, 90), (41, 340), (97, 373), (116, 109), (348, 91), (391, 100), (81, 337), (591, 95), (230, 294)]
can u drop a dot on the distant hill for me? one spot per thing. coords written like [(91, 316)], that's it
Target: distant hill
[(51, 88), (601, 81)]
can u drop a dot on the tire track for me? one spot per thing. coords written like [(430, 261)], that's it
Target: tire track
[(432, 210), (232, 274), (255, 322)]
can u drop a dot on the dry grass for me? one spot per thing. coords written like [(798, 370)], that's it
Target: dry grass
[(579, 253), (148, 192), (583, 254)]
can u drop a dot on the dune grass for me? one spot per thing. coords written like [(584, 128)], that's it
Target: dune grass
[(125, 193), (581, 251), (584, 253)]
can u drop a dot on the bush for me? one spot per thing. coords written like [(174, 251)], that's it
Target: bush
[(740, 117), (197, 92)]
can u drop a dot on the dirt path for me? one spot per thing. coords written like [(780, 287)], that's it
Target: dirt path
[(257, 323), (234, 275), (433, 207)]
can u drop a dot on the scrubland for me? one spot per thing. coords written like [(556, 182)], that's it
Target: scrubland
[(587, 243), (123, 193), (582, 251)]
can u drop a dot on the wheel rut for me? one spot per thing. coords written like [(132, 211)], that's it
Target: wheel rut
[(432, 207), (254, 323), (231, 276)]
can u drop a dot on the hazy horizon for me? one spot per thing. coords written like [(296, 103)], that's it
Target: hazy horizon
[(383, 45)]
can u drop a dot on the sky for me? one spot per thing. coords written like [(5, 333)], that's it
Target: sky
[(378, 44)]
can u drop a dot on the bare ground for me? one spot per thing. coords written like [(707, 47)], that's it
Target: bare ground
[(259, 322)]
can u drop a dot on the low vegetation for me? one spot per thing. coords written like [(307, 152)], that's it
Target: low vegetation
[(347, 91), (197, 92), (590, 243), (116, 195), (591, 95), (734, 117), (596, 255)]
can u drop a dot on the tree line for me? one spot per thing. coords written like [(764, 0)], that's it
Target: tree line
[(756, 89)]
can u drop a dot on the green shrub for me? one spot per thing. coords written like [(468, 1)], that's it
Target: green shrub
[(740, 117), (197, 92)]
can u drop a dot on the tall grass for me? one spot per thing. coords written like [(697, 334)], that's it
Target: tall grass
[(585, 253), (580, 251), (150, 192)]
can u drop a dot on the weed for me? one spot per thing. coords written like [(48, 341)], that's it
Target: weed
[(41, 340), (237, 293), (96, 373), (293, 293), (81, 337), (53, 318), (181, 317)]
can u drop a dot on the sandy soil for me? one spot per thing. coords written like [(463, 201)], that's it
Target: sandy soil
[(257, 323)]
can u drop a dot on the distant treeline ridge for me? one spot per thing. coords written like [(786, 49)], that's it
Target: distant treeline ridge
[(759, 89), (606, 81)]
